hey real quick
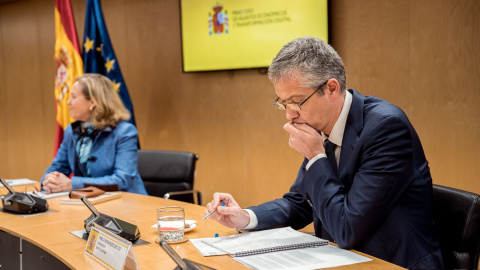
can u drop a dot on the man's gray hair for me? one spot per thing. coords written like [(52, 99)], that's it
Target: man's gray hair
[(310, 60)]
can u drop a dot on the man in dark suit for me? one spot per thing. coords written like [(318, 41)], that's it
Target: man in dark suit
[(379, 199)]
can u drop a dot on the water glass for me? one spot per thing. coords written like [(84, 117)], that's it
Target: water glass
[(171, 223)]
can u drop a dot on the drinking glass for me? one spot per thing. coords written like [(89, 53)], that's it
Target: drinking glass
[(171, 223)]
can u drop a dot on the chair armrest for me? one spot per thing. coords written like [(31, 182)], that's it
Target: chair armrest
[(196, 199)]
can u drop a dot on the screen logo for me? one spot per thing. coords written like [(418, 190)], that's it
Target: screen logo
[(218, 22)]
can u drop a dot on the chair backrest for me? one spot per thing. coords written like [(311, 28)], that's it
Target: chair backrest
[(457, 219), (167, 171)]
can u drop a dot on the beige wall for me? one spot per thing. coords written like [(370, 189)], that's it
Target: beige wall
[(423, 56)]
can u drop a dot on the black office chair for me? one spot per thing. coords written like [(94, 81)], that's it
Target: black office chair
[(169, 174), (457, 218)]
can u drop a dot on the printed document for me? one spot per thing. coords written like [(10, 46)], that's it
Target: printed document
[(302, 259)]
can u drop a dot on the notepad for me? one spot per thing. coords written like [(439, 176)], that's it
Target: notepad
[(259, 242)]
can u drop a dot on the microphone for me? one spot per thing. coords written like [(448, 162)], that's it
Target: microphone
[(117, 226), (22, 203), (183, 264), (6, 185)]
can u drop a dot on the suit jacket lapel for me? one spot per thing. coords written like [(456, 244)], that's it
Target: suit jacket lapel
[(353, 127)]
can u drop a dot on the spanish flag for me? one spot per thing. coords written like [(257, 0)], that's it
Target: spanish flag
[(69, 64)]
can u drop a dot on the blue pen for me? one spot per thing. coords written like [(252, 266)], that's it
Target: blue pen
[(211, 213)]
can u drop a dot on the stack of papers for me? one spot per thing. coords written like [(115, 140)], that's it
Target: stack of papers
[(283, 248)]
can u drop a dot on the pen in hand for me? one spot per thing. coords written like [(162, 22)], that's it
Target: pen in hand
[(211, 213)]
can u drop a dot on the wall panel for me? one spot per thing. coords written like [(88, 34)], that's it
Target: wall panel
[(420, 55), (424, 57)]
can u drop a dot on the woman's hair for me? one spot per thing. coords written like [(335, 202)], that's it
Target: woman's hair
[(109, 109), (310, 60)]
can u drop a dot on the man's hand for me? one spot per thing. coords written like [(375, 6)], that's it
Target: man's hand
[(57, 182), (304, 139), (231, 215)]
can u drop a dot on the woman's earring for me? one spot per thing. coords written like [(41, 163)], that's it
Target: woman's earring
[(91, 108)]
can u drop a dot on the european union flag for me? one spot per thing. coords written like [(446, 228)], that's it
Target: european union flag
[(98, 54)]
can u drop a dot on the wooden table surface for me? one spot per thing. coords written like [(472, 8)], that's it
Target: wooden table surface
[(51, 232)]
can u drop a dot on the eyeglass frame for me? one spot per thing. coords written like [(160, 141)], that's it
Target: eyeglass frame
[(283, 107)]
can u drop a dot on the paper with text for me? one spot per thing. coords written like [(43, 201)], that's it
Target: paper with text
[(302, 259)]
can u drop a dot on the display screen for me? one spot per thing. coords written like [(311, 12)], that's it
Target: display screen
[(239, 34)]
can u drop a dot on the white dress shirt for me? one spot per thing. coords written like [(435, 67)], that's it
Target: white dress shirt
[(336, 137)]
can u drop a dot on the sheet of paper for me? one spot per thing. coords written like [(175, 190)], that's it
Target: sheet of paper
[(19, 182), (49, 195), (302, 259), (205, 249)]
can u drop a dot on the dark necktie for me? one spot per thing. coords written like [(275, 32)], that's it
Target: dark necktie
[(330, 151)]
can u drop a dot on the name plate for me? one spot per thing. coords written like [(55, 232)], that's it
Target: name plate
[(111, 250)]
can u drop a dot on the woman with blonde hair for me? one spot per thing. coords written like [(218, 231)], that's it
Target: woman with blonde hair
[(100, 148)]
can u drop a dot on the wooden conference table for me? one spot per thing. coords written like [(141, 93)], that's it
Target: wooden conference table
[(51, 232)]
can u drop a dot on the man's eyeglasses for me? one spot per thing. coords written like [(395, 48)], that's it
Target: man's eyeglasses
[(294, 106)]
